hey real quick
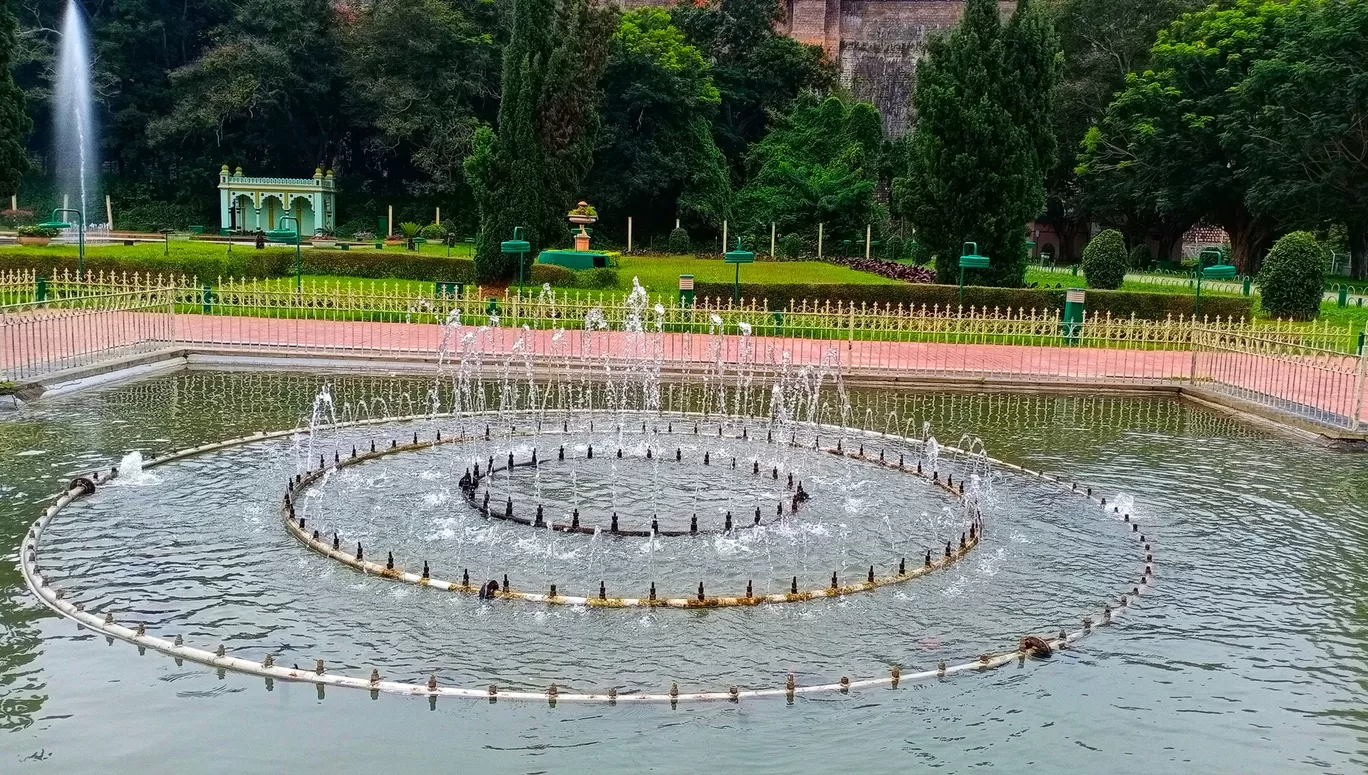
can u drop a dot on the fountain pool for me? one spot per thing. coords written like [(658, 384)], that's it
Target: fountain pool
[(198, 547)]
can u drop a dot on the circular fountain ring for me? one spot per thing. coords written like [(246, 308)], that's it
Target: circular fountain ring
[(55, 599), (470, 489), (298, 527)]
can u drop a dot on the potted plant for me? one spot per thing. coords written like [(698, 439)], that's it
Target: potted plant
[(324, 238), (583, 215), (36, 235), (411, 232)]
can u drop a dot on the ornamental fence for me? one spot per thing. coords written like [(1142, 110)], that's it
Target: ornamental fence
[(409, 302), (1314, 371)]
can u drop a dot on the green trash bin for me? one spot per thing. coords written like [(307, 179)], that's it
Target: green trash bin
[(493, 308), (449, 290), (1071, 327)]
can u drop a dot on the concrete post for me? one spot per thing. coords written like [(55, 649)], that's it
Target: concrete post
[(771, 239), (820, 227), (389, 228), (109, 212), (438, 218), (724, 236), (629, 234), (869, 232), (14, 201)]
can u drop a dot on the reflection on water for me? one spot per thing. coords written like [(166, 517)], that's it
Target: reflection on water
[(1248, 658)]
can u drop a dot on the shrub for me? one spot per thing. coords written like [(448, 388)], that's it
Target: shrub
[(890, 269), (433, 231), (791, 247), (1120, 304), (1104, 260), (601, 278), (364, 236), (1140, 257), (919, 253), (1292, 277), (679, 241), (554, 274), (37, 231)]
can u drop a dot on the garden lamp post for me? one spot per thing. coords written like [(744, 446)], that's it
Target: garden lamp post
[(520, 247), (969, 259), (58, 223), (1217, 271), (738, 257), (281, 234)]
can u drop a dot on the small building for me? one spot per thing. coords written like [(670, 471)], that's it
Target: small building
[(257, 204)]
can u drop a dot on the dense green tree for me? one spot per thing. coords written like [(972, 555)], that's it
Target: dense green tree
[(418, 74), (819, 164), (1176, 140), (656, 158), (977, 157), (1307, 151), (267, 92), (1103, 41), (758, 72), (14, 122), (529, 172)]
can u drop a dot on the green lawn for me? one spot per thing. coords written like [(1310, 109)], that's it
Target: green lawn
[(660, 274)]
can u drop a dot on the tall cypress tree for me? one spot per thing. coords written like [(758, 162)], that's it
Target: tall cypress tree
[(528, 173), (14, 122), (976, 160)]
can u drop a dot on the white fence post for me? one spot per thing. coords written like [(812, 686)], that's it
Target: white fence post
[(629, 234)]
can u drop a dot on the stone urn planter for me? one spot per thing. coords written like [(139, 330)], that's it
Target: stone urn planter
[(583, 215), (35, 241), (326, 243)]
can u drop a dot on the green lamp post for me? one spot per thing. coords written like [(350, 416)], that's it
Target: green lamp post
[(738, 257), (969, 259), (58, 223), (290, 236), (520, 247), (1219, 270)]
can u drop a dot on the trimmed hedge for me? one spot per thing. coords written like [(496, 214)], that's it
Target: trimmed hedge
[(1148, 306), (209, 262)]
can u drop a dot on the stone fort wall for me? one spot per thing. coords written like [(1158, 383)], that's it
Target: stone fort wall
[(875, 44)]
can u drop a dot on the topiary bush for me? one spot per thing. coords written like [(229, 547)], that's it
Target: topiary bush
[(1292, 277), (1140, 257), (1104, 260), (679, 241)]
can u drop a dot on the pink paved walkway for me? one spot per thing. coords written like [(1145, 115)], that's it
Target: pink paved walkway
[(1317, 386)]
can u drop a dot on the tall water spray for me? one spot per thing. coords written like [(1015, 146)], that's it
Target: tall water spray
[(73, 116)]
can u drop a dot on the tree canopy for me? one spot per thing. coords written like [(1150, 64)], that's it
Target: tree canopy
[(528, 173), (818, 165), (977, 158), (14, 122), (656, 157)]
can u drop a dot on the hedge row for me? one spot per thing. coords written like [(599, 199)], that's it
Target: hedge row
[(1149, 306), (209, 262)]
